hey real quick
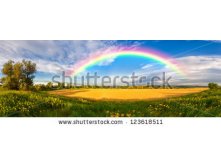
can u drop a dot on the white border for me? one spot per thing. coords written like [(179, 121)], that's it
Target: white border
[(180, 142), (110, 20)]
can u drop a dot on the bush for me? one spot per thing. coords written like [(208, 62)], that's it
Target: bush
[(212, 85), (40, 87)]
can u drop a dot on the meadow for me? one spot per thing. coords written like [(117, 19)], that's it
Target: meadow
[(42, 104)]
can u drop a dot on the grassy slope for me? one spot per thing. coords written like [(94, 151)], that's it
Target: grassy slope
[(12, 103)]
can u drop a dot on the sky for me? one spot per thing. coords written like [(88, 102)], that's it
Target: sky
[(200, 59)]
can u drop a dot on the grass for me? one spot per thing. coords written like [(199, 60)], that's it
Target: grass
[(41, 104)]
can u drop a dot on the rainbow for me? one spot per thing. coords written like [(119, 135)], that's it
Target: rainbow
[(105, 55)]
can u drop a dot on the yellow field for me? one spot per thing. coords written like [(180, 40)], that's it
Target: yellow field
[(126, 94)]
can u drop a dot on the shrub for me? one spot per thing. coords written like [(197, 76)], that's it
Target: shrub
[(212, 85), (40, 87)]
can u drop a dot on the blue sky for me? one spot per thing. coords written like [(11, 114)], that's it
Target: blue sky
[(201, 59)]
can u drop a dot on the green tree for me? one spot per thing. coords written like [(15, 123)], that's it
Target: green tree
[(18, 75), (40, 87), (9, 81), (28, 71), (213, 85), (60, 85), (49, 85)]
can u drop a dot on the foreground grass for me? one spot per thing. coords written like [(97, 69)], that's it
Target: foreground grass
[(15, 103)]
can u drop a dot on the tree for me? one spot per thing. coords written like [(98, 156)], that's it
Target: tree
[(8, 68), (10, 80), (40, 87), (18, 75), (213, 85), (61, 85), (49, 85), (28, 70)]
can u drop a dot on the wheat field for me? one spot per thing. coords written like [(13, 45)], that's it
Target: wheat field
[(126, 94)]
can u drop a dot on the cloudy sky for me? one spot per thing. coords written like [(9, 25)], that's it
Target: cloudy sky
[(200, 59)]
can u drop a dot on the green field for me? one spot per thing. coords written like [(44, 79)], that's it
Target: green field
[(41, 104)]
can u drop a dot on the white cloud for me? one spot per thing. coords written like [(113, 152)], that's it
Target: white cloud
[(147, 66), (201, 69), (198, 63), (51, 56), (106, 62), (56, 56)]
